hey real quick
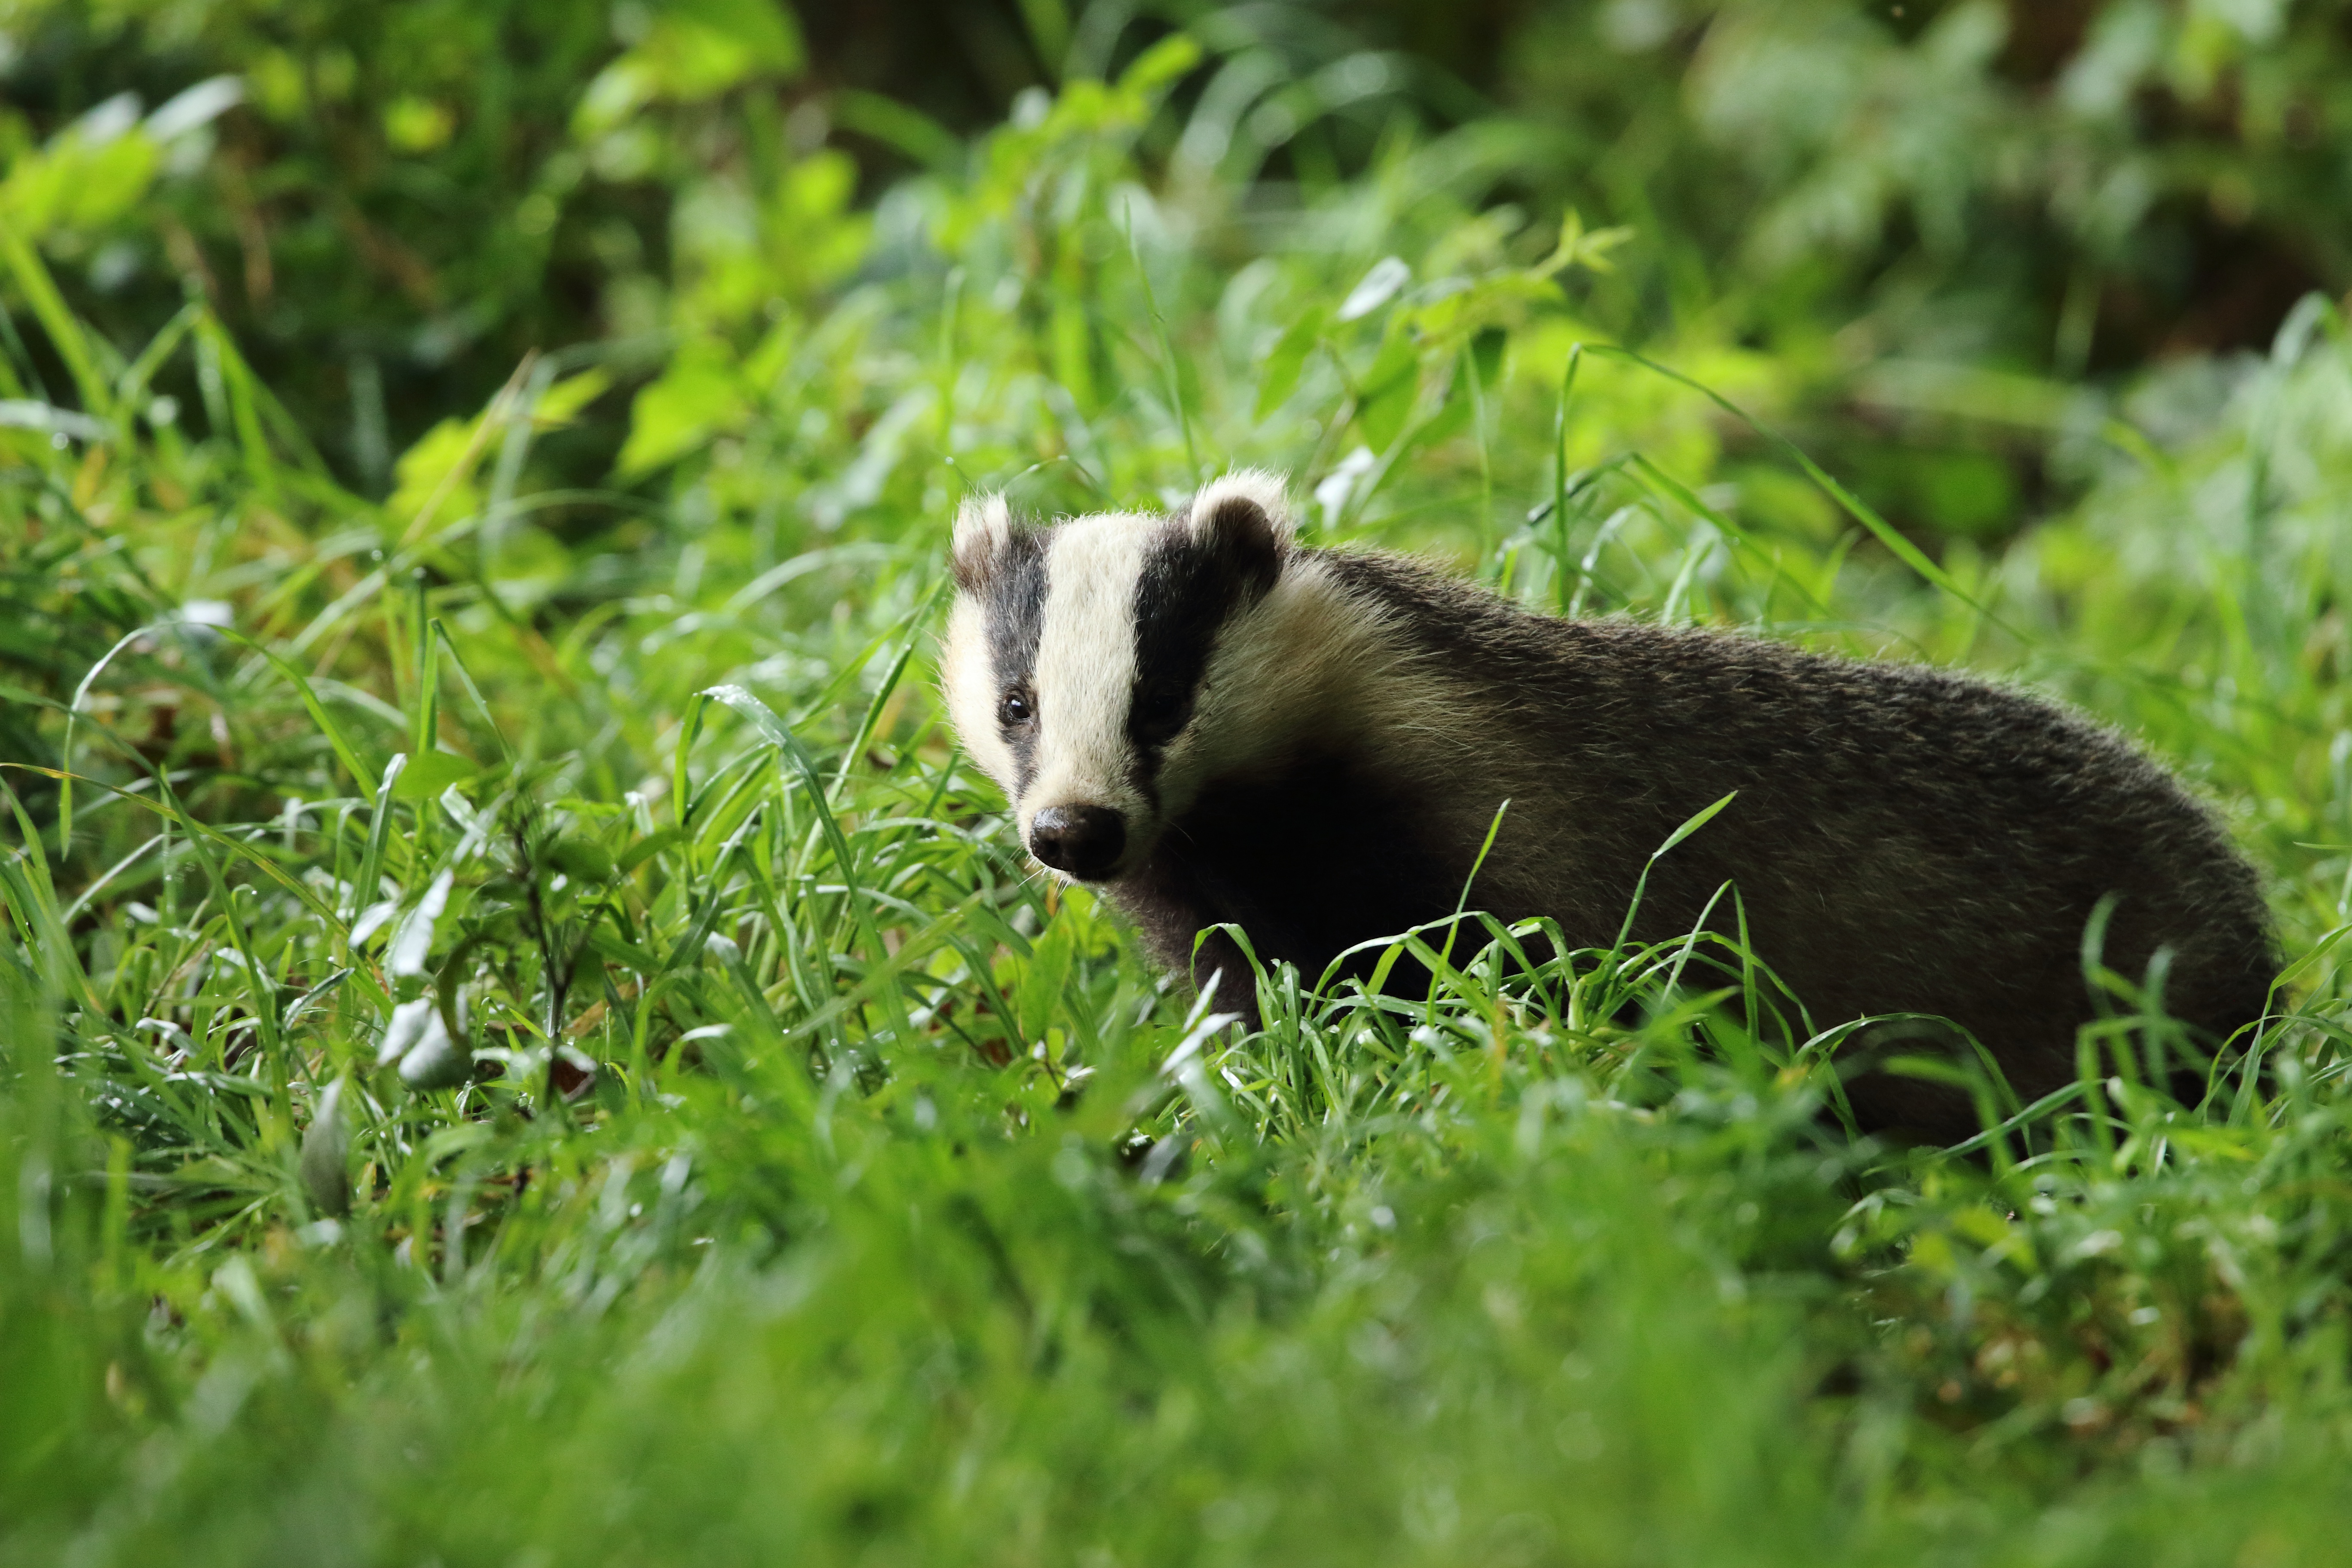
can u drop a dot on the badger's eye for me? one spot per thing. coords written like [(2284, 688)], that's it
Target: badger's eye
[(1017, 708), (1159, 710)]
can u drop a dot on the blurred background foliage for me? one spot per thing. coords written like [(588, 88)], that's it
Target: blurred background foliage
[(389, 205), (747, 273)]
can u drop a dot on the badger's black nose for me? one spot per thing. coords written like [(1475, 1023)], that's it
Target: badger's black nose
[(1083, 840)]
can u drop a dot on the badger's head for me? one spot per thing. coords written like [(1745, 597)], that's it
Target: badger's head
[(1103, 669)]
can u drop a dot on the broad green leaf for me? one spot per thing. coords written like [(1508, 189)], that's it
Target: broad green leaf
[(697, 397), (581, 858), (435, 477), (1278, 375), (564, 400), (428, 774), (1041, 983)]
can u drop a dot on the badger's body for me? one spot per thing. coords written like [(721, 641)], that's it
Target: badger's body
[(1219, 724)]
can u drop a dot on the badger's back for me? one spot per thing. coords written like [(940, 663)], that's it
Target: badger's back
[(1902, 839)]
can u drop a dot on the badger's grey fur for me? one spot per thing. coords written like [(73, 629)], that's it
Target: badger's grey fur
[(1220, 724)]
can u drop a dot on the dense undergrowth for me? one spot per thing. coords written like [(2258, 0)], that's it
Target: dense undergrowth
[(527, 1042)]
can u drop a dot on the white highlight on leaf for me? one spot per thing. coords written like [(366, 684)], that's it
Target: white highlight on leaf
[(110, 120), (417, 1037), (371, 920), (1340, 484), (1198, 1029), (326, 1155), (1387, 275), (408, 1025), (415, 938), (25, 413), (198, 105), (436, 1062)]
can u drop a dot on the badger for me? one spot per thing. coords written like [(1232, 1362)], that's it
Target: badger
[(1218, 725)]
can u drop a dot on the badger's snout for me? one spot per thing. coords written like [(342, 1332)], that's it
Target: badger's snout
[(1082, 841)]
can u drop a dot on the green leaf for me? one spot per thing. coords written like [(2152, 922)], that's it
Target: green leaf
[(326, 1155), (564, 400), (608, 945), (645, 848), (1699, 819), (1050, 957), (1400, 355), (581, 858), (428, 774), (1160, 65), (1390, 387), (697, 397), (435, 477), (1287, 360), (693, 50), (66, 334), (909, 129)]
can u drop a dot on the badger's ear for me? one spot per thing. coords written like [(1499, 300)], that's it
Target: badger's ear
[(982, 525), (1246, 520), (1254, 488)]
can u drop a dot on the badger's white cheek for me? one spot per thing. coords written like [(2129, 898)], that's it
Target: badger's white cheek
[(968, 681)]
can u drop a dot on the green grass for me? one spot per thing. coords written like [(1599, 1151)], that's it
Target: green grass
[(823, 1185)]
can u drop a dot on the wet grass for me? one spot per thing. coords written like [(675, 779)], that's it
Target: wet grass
[(527, 1043)]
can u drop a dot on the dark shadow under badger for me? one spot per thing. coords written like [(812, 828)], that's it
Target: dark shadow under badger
[(1219, 725)]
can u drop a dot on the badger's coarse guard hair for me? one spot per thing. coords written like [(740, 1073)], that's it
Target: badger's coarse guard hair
[(1221, 725)]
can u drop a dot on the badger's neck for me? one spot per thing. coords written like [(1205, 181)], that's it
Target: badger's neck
[(1339, 750), (1320, 669)]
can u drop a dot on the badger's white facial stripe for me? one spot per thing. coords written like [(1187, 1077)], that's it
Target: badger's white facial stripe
[(1085, 665)]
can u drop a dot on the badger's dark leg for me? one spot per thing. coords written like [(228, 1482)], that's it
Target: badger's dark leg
[(1220, 958), (1169, 912), (1307, 865)]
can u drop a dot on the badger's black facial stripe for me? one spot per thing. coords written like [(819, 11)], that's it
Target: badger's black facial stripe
[(1192, 582), (1013, 591)]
